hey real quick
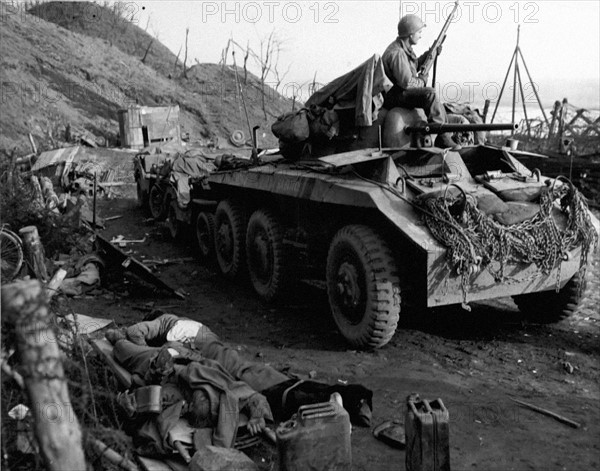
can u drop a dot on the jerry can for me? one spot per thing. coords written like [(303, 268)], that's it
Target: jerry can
[(316, 438), (427, 435)]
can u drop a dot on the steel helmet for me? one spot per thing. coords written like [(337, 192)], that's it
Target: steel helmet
[(409, 24)]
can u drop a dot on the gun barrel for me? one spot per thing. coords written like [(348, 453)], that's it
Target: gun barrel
[(440, 128)]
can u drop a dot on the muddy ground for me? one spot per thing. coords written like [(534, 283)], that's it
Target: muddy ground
[(476, 362)]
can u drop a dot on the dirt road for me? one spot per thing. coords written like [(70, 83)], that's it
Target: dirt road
[(476, 362)]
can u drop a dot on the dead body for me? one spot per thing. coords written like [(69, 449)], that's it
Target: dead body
[(283, 393)]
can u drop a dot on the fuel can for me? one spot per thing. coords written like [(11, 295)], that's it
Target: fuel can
[(317, 437), (427, 431)]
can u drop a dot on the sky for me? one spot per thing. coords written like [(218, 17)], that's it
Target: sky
[(559, 40)]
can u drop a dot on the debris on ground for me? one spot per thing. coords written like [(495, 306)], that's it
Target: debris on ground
[(117, 258)]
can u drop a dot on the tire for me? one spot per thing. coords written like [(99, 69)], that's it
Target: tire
[(173, 223), (230, 238), (265, 255), (363, 287), (11, 255), (205, 235), (547, 307), (142, 197), (157, 203)]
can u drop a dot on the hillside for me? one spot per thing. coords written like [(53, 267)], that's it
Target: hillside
[(52, 76)]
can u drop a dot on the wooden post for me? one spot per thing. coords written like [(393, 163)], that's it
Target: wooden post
[(33, 146), (56, 426), (486, 108), (555, 113), (34, 251), (561, 123), (38, 196)]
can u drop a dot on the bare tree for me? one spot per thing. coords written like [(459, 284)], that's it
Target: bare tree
[(223, 64), (147, 51), (313, 86), (187, 32), (267, 46), (268, 61), (245, 63), (176, 61), (279, 77)]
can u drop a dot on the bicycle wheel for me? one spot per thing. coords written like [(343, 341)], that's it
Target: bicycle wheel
[(11, 257)]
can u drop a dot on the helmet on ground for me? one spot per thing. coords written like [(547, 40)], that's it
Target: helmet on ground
[(409, 24)]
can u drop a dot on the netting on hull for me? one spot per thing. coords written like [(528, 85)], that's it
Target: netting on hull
[(476, 241)]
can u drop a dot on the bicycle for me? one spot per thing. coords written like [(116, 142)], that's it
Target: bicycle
[(11, 255)]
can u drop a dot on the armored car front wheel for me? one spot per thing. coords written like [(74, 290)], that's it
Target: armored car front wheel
[(547, 307), (363, 286)]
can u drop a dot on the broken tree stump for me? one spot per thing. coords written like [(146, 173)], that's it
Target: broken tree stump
[(57, 429), (34, 252)]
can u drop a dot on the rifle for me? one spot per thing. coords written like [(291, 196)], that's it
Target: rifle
[(432, 54)]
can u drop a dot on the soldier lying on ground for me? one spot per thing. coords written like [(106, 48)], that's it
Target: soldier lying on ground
[(284, 394), (215, 397)]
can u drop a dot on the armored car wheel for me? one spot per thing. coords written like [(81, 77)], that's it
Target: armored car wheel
[(363, 286), (142, 197), (172, 223), (547, 307), (230, 238), (205, 234), (157, 203), (265, 255)]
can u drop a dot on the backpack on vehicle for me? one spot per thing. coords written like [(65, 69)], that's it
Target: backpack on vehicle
[(297, 131), (292, 128)]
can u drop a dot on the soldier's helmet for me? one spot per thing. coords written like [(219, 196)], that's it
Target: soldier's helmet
[(409, 24)]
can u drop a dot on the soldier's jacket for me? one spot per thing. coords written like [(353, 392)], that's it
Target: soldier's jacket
[(401, 64)]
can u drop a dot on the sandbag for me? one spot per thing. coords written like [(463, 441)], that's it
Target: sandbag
[(518, 211), (489, 203)]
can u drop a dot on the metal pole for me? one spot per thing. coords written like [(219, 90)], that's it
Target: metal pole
[(534, 89), (523, 98), (514, 100), (503, 85)]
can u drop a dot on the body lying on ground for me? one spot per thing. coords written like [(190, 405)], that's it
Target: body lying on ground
[(283, 393)]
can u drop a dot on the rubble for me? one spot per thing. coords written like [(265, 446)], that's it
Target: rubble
[(212, 458)]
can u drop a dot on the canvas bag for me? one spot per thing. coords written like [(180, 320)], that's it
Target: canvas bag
[(292, 127)]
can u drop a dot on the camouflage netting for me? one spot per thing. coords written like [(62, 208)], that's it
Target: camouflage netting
[(476, 241)]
